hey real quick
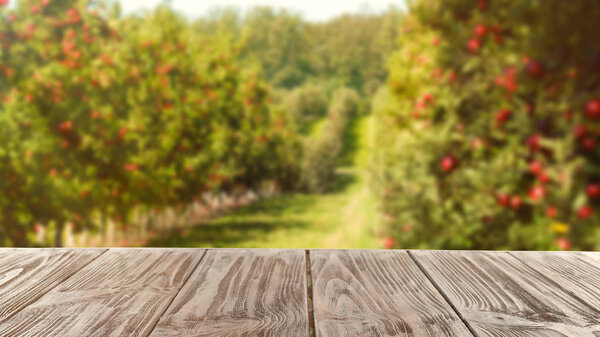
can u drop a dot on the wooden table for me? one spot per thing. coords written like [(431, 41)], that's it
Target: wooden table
[(244, 292)]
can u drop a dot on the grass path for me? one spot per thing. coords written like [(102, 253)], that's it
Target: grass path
[(345, 218)]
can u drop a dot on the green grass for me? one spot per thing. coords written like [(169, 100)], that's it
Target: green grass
[(344, 218), (313, 128)]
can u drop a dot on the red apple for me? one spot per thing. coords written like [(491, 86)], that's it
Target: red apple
[(516, 202), (503, 199), (589, 143), (592, 109), (480, 30), (536, 167), (428, 98), (544, 178), (563, 244), (449, 163), (130, 167), (552, 212), (593, 190), (474, 45), (503, 116), (533, 142), (122, 132), (73, 15), (534, 68), (584, 212), (389, 243), (3, 2), (65, 126), (452, 77), (580, 131), (537, 193)]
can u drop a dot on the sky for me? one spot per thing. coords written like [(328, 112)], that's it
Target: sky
[(313, 10)]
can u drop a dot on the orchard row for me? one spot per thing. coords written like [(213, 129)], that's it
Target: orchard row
[(492, 124), (102, 114)]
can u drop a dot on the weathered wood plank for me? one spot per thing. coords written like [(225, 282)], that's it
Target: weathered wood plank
[(498, 295), (377, 293), (577, 273), (122, 293), (28, 274), (242, 293)]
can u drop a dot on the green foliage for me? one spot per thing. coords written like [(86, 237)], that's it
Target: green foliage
[(102, 114), (488, 130), (345, 217), (322, 154), (306, 103), (350, 50)]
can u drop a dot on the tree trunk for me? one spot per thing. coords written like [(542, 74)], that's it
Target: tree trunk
[(58, 234)]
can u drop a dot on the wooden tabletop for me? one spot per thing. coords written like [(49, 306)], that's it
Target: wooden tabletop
[(325, 293)]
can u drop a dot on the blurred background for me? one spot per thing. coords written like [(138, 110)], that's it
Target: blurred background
[(454, 124)]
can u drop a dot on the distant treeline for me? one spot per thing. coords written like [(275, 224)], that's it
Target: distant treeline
[(350, 50)]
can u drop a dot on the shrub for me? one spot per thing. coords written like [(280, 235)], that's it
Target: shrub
[(306, 103), (322, 154)]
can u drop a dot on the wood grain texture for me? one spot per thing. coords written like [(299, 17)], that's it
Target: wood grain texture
[(28, 274), (122, 293), (577, 273), (242, 293), (377, 293), (499, 295)]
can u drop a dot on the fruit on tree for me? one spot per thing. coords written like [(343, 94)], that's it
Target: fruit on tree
[(534, 68), (551, 212), (516, 202), (534, 142), (449, 163), (503, 116), (593, 191), (537, 193), (580, 131), (584, 212), (536, 167), (592, 109), (474, 45), (480, 30), (503, 199), (65, 126), (389, 243), (563, 244)]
